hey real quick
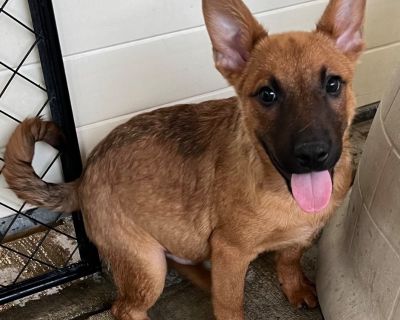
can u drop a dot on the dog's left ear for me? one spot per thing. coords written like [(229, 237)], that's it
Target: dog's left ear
[(343, 21), (234, 32)]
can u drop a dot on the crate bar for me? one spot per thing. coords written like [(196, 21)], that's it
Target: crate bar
[(45, 27), (46, 281)]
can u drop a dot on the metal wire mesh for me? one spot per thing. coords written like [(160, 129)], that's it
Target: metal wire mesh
[(33, 242)]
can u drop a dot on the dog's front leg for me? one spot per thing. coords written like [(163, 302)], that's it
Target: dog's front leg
[(295, 285), (228, 270)]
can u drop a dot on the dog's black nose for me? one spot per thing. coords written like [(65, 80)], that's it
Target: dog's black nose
[(311, 155)]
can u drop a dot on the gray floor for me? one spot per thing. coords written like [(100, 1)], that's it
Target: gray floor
[(180, 300)]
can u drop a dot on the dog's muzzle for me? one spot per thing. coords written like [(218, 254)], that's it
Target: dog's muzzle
[(311, 190)]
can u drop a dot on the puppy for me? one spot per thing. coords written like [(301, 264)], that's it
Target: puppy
[(223, 180)]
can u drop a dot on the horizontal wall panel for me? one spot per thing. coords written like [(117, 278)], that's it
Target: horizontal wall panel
[(127, 56), (92, 24), (151, 72), (140, 76), (375, 72), (372, 77), (104, 23), (382, 22), (143, 74)]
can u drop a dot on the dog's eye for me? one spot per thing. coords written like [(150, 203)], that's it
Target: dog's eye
[(333, 85), (267, 95)]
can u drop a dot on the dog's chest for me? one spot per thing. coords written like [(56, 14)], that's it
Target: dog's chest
[(283, 224), (286, 236)]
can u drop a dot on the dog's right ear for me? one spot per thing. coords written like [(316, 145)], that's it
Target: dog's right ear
[(234, 32)]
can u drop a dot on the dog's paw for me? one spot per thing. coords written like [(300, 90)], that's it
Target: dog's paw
[(122, 310), (302, 295)]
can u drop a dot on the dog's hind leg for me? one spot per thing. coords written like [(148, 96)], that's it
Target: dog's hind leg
[(139, 270)]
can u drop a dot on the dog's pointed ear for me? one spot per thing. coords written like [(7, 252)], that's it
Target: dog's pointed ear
[(343, 21), (233, 32)]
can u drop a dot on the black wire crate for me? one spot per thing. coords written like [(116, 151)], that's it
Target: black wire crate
[(39, 249)]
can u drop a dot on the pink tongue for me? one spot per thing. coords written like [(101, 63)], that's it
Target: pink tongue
[(312, 191)]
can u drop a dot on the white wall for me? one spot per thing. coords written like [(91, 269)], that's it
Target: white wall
[(125, 56), (134, 55)]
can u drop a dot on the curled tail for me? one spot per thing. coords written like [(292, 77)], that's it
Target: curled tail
[(20, 175)]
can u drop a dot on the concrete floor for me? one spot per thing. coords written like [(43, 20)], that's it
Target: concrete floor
[(180, 300), (54, 250)]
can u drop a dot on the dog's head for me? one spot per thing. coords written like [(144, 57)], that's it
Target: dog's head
[(294, 88)]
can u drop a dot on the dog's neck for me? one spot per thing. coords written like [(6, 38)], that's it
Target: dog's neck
[(252, 163)]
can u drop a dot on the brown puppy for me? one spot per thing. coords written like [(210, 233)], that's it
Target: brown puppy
[(221, 180)]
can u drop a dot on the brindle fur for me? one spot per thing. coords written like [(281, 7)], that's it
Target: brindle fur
[(195, 180)]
